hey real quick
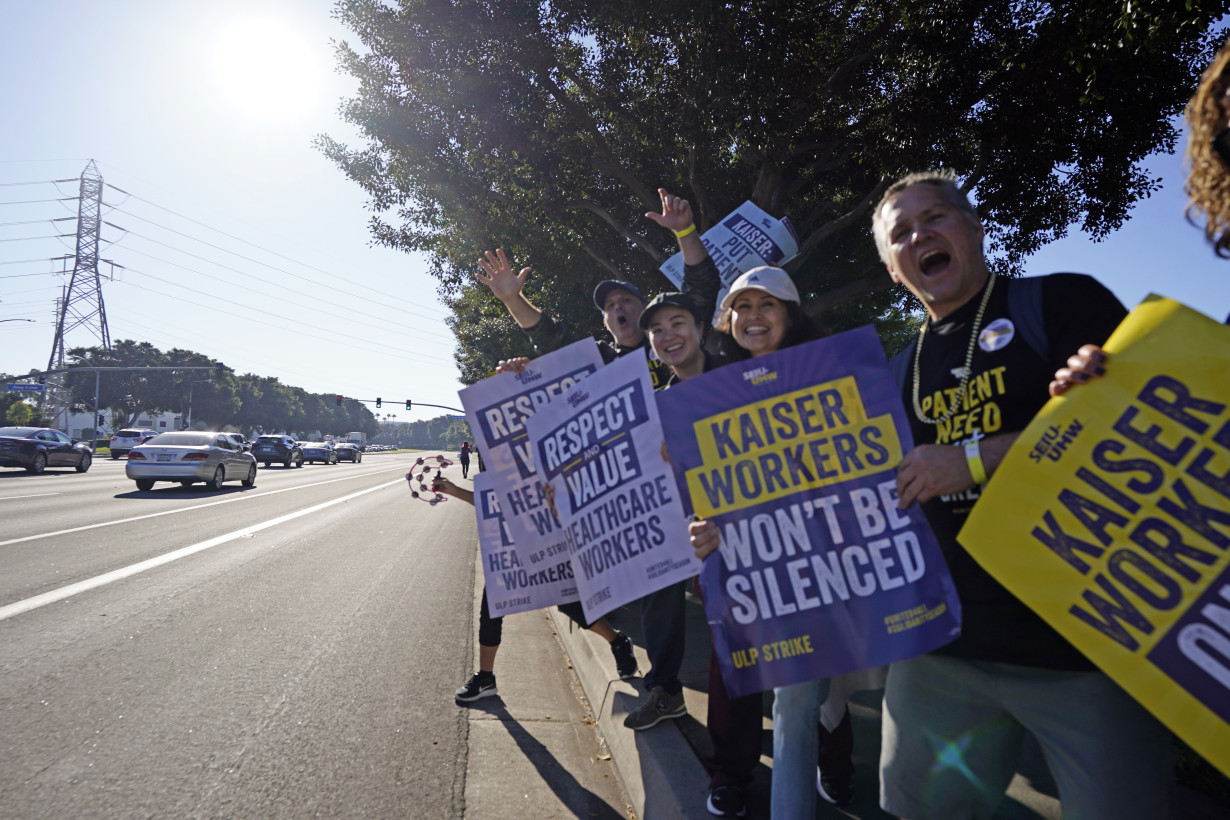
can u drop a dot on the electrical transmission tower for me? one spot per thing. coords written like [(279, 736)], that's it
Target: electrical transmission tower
[(82, 305)]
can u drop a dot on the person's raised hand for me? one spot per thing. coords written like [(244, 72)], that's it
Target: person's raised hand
[(498, 275), (676, 212)]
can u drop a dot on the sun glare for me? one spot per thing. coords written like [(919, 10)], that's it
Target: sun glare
[(267, 69)]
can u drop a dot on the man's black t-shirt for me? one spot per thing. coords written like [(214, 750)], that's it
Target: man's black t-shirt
[(1007, 387)]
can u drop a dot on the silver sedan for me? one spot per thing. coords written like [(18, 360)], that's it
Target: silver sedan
[(190, 457)]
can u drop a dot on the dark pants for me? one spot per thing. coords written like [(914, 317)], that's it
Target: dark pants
[(736, 726), (465, 466), (836, 757), (490, 630), (662, 623), (736, 729), (576, 612)]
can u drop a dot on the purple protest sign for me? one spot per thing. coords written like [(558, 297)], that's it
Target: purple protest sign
[(793, 456)]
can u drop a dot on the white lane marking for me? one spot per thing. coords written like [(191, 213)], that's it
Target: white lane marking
[(128, 571), (242, 497), (15, 497)]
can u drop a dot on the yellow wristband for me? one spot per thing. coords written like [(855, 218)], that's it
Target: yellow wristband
[(689, 229), (973, 457)]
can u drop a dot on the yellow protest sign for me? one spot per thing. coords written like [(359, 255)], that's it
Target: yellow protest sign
[(1110, 517)]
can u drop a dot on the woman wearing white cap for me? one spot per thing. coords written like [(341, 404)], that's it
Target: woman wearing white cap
[(762, 314)]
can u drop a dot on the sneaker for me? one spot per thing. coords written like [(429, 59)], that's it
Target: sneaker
[(481, 685), (657, 706), (727, 801), (625, 659), (837, 790)]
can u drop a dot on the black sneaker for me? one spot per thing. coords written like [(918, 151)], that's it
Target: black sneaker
[(625, 660), (837, 790), (727, 801), (481, 685)]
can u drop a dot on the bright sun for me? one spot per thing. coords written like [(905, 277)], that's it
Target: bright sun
[(268, 69)]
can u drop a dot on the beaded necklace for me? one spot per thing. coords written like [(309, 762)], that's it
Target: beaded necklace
[(969, 358)]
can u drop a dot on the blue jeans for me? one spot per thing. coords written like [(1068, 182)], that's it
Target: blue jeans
[(662, 623), (796, 741)]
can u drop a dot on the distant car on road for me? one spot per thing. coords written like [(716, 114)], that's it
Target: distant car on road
[(188, 457), (125, 440), (314, 451), (37, 448), (348, 452), (285, 449), (241, 440)]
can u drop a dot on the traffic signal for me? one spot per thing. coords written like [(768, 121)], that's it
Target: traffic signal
[(100, 420), (377, 402), (407, 404), (339, 401)]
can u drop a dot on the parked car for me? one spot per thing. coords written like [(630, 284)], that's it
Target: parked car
[(37, 448), (125, 440), (348, 452), (188, 457), (241, 440), (285, 449), (314, 451)]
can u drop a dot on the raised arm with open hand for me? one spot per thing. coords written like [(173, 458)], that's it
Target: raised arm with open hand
[(499, 277)]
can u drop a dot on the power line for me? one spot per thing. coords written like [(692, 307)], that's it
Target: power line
[(265, 316), (250, 244), (40, 259), (24, 238), (35, 221), (39, 182), (348, 293), (39, 201), (282, 296)]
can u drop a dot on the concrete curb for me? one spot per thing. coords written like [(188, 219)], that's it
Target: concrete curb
[(661, 773)]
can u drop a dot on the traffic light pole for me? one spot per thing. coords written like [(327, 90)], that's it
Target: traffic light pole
[(440, 406), (378, 401)]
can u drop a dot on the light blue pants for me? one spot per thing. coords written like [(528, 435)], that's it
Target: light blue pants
[(796, 742)]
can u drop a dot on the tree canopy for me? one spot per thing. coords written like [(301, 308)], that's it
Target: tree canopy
[(546, 129), (218, 397)]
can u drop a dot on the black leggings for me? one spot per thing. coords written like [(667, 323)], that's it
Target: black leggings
[(491, 630)]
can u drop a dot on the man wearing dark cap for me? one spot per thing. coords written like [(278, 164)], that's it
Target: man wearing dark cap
[(621, 304)]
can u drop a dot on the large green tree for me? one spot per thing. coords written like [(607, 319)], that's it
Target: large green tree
[(210, 394), (128, 394), (547, 128)]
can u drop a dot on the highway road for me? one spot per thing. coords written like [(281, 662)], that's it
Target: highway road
[(288, 650)]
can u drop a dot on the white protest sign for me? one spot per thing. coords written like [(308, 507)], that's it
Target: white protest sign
[(497, 409), (511, 587), (600, 446), (747, 238)]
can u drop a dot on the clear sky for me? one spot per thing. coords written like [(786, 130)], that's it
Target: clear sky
[(239, 240)]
